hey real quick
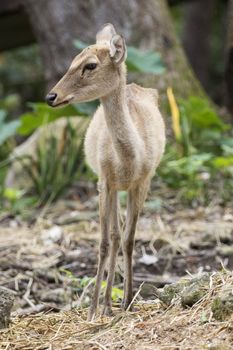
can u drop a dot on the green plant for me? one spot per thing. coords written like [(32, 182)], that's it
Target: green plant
[(7, 129), (42, 114), (117, 293), (78, 284), (57, 162), (201, 150), (15, 201)]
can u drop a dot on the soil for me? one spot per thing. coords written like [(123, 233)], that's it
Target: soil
[(45, 261)]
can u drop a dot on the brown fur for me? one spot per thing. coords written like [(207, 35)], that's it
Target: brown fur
[(124, 145)]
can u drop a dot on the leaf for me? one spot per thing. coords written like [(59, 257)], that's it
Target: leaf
[(12, 194), (85, 281), (3, 114), (87, 108), (8, 130), (43, 114), (222, 162), (23, 203), (144, 61), (175, 114), (201, 114), (79, 44), (117, 294)]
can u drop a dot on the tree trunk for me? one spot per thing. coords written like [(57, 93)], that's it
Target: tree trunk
[(145, 24), (55, 25), (196, 37), (229, 60)]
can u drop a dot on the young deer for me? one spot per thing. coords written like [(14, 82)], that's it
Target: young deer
[(124, 145)]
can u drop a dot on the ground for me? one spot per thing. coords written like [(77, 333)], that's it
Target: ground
[(44, 262)]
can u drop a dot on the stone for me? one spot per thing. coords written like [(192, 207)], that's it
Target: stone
[(196, 290), (189, 291), (222, 305), (6, 303), (52, 235), (225, 250)]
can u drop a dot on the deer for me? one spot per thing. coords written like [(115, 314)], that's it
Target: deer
[(124, 144)]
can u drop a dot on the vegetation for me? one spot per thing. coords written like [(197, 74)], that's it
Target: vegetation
[(199, 153), (49, 220), (56, 164), (199, 150)]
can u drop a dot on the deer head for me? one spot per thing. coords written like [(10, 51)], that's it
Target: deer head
[(94, 73)]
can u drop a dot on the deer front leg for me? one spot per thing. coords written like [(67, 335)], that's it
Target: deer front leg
[(115, 243), (128, 245), (105, 199), (135, 202)]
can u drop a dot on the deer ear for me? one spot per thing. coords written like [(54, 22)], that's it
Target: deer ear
[(105, 34), (118, 51)]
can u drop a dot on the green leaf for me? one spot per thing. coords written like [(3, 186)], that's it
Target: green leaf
[(201, 114), (8, 129), (117, 294), (87, 108), (80, 44), (12, 194), (3, 114), (222, 162), (144, 61), (43, 114)]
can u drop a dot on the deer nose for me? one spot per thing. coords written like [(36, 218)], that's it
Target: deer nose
[(50, 98)]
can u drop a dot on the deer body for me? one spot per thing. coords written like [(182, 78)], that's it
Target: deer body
[(124, 145), (124, 142)]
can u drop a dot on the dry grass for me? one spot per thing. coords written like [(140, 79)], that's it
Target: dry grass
[(152, 326)]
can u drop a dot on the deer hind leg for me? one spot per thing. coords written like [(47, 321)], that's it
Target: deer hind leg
[(115, 243), (105, 204), (136, 198)]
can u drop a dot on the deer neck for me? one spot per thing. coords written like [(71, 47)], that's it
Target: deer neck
[(119, 122)]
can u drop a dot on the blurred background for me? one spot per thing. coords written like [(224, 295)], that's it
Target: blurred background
[(182, 48), (185, 46)]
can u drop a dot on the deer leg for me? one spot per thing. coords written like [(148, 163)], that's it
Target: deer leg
[(135, 202), (105, 198), (115, 243)]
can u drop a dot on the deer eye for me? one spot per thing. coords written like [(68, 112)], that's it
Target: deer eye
[(90, 66)]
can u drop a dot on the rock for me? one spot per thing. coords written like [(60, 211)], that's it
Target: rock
[(196, 290), (76, 216), (6, 303), (148, 259), (56, 296), (53, 235), (225, 250), (222, 305), (188, 290), (171, 291), (16, 176)]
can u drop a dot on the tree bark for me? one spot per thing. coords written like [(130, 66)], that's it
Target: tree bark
[(55, 25), (229, 59), (145, 24), (196, 36)]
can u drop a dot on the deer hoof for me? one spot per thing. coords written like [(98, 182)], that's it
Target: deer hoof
[(127, 305), (91, 315), (107, 310)]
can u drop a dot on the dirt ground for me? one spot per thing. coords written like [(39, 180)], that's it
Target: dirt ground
[(44, 263)]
